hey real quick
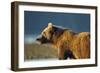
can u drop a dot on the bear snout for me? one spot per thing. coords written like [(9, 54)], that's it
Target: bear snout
[(42, 40), (38, 39)]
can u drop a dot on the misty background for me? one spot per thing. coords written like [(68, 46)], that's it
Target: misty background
[(35, 22)]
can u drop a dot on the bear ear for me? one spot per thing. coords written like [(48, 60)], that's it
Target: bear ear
[(50, 25)]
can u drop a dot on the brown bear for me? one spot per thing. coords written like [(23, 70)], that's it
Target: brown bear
[(68, 43)]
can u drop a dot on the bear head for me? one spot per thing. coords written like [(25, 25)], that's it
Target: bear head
[(49, 33)]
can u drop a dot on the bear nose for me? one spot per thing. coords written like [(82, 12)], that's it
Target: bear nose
[(37, 39), (40, 38)]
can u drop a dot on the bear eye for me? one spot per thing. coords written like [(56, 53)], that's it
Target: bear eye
[(50, 31)]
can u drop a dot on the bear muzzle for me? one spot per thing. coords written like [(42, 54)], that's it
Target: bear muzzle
[(42, 40)]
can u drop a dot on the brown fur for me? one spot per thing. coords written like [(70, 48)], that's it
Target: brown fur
[(77, 43)]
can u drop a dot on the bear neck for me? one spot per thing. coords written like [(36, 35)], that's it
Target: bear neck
[(55, 36), (60, 38)]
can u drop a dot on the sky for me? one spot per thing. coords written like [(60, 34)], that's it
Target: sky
[(35, 22)]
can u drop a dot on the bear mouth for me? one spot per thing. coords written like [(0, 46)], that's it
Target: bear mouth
[(43, 40)]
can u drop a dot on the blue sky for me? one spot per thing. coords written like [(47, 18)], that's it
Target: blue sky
[(36, 21)]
